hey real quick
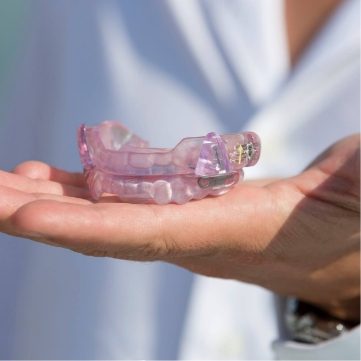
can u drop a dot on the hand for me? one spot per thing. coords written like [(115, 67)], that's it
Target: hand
[(297, 236)]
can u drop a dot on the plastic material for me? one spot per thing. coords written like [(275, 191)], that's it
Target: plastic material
[(116, 161)]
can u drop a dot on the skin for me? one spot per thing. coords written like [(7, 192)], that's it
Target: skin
[(304, 18), (298, 236)]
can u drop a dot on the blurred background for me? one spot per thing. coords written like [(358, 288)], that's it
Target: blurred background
[(167, 69)]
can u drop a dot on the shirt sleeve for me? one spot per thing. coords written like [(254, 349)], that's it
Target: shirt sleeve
[(343, 347)]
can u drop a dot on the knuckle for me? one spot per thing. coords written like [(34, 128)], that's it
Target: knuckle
[(93, 252), (164, 244), (152, 251), (146, 252), (23, 220)]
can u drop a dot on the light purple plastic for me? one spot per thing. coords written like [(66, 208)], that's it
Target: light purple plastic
[(116, 161)]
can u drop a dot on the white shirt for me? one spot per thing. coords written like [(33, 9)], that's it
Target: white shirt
[(167, 69)]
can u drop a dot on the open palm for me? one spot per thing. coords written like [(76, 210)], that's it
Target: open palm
[(297, 236)]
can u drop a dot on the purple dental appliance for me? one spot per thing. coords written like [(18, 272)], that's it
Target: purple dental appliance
[(116, 161)]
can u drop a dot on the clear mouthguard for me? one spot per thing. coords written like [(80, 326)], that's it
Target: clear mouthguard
[(118, 162)]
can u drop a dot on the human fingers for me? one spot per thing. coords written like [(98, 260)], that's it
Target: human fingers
[(39, 170), (30, 185), (142, 232), (13, 199), (86, 228)]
